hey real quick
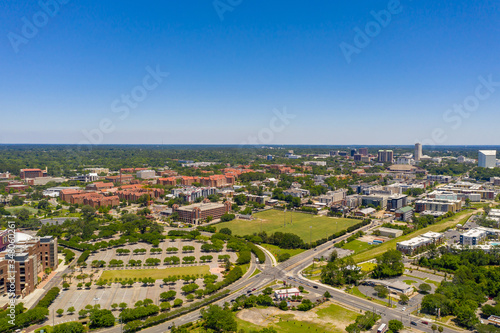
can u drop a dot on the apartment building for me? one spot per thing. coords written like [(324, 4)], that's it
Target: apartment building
[(333, 197), (123, 179), (412, 245), (473, 236), (385, 156), (99, 186), (170, 181), (192, 193), (438, 205), (31, 255)]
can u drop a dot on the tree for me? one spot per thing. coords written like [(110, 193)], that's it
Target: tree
[(16, 201), (218, 319), (434, 327), (71, 309), (404, 299), (226, 231), (60, 312), (389, 264), (440, 329), (72, 327), (122, 305), (382, 291), (283, 305), (424, 288), (101, 318), (327, 294), (395, 325)]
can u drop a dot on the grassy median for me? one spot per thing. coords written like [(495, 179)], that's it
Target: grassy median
[(157, 274)]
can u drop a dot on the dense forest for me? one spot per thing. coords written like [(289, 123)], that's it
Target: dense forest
[(67, 160)]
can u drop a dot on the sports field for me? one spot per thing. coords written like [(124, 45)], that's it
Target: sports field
[(157, 274), (297, 223)]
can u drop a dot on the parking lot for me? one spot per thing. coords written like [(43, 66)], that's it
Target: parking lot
[(111, 254), (116, 293), (109, 295)]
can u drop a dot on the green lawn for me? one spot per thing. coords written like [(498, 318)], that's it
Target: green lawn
[(410, 282), (157, 274), (276, 250), (12, 210), (358, 246), (298, 223), (338, 313), (460, 217)]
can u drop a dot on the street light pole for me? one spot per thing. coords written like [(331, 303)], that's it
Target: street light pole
[(310, 236)]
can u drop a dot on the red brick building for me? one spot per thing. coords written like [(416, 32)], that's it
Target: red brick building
[(172, 181), (198, 212), (33, 173)]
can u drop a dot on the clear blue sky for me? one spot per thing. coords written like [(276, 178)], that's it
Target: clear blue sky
[(227, 76)]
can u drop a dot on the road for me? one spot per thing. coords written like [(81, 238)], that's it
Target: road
[(290, 271)]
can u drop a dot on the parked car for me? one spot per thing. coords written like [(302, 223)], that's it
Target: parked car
[(425, 322), (413, 323)]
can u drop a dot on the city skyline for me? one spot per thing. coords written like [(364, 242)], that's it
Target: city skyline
[(202, 74)]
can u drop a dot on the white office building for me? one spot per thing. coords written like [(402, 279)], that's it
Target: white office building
[(146, 174), (487, 158)]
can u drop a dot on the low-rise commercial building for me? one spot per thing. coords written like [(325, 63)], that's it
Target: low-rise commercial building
[(389, 232), (198, 212), (286, 293)]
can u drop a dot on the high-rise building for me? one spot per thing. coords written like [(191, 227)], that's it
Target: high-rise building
[(418, 152), (487, 158), (385, 156), (353, 152), (363, 151)]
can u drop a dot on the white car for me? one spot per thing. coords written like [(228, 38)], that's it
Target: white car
[(404, 308)]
